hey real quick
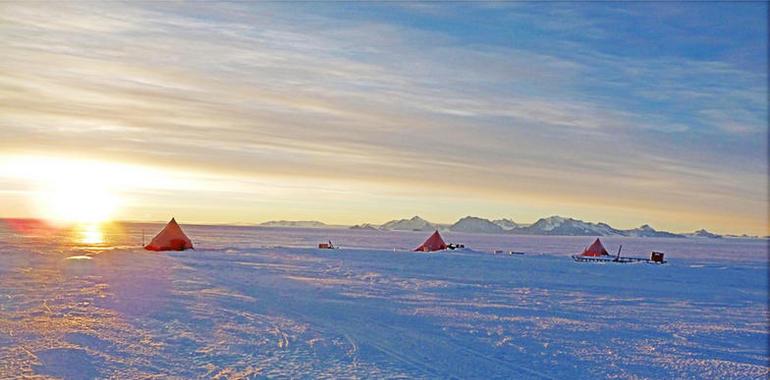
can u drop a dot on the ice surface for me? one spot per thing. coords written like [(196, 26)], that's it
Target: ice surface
[(256, 303)]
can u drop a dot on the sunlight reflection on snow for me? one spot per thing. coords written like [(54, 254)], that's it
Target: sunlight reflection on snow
[(91, 234), (79, 257)]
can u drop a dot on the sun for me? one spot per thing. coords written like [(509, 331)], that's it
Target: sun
[(78, 201), (69, 191)]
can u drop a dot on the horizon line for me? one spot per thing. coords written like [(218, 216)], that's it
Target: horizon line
[(333, 225)]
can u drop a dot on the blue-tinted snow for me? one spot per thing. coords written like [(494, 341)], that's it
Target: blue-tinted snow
[(257, 303)]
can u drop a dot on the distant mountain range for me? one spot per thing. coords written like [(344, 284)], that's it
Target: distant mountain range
[(647, 231), (365, 226), (507, 224), (473, 224), (554, 225), (295, 223), (414, 224), (705, 234)]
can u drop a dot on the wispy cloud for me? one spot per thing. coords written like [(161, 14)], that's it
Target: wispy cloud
[(264, 91)]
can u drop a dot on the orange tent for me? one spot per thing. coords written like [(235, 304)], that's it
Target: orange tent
[(594, 250), (434, 243), (171, 238)]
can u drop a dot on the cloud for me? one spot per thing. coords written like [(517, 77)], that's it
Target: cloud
[(735, 121), (261, 91)]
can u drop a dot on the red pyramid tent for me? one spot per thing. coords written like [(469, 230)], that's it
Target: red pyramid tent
[(594, 250), (434, 243), (171, 238)]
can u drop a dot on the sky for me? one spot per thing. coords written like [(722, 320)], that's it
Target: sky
[(347, 113)]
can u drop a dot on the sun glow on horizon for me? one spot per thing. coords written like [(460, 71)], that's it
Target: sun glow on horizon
[(91, 234), (69, 191), (77, 202)]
